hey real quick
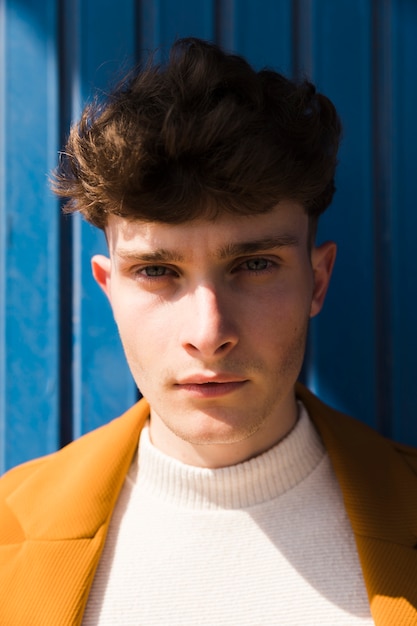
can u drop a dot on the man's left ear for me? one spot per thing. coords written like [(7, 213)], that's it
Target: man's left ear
[(322, 262)]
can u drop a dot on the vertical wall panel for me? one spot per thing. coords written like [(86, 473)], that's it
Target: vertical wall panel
[(103, 387), (262, 32), (184, 18), (342, 353), (160, 22), (62, 370), (29, 232), (383, 141), (403, 236), (3, 239)]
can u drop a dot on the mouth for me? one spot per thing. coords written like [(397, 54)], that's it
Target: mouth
[(205, 387)]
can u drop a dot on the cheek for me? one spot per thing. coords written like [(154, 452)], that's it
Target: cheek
[(143, 328), (283, 334), (282, 311)]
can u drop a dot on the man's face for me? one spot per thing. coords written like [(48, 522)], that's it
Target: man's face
[(213, 318)]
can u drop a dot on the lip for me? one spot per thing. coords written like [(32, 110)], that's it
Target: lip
[(201, 386), (202, 379)]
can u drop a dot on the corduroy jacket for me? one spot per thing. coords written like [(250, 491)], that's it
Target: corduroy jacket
[(55, 511)]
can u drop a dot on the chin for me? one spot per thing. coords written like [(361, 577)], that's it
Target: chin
[(207, 430)]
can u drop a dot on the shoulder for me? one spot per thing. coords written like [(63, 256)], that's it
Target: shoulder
[(408, 453), (115, 430), (354, 441), (82, 475), (15, 476)]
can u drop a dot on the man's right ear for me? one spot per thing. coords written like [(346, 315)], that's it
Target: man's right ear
[(101, 267)]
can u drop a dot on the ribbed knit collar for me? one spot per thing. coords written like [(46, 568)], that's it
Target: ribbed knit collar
[(247, 484)]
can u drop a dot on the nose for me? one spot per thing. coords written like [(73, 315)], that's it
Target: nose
[(209, 329)]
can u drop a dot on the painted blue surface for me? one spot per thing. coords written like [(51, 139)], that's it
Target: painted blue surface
[(102, 385), (29, 232), (62, 370), (342, 359), (404, 221)]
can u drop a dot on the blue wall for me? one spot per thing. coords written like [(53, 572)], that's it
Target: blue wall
[(62, 371)]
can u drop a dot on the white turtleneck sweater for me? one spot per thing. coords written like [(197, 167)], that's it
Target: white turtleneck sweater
[(263, 542)]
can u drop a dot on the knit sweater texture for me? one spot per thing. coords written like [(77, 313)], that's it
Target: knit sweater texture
[(266, 541)]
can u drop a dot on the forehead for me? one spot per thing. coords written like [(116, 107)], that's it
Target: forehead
[(287, 222)]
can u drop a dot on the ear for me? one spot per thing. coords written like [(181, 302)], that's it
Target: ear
[(101, 267), (322, 262)]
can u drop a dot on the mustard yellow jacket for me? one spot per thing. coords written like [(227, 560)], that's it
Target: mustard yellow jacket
[(55, 511)]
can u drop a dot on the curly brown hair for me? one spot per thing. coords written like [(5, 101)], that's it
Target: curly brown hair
[(200, 134)]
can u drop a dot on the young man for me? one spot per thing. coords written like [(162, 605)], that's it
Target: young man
[(230, 495)]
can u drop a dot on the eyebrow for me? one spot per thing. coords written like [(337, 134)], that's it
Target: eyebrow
[(241, 248), (233, 249), (161, 255)]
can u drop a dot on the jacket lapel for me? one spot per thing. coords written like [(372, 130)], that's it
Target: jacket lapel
[(379, 488)]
